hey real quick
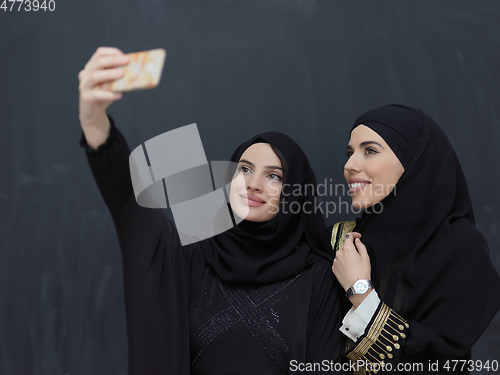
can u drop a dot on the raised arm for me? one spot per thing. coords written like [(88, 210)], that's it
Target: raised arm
[(142, 232)]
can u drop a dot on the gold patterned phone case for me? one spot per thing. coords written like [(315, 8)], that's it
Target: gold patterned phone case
[(143, 72)]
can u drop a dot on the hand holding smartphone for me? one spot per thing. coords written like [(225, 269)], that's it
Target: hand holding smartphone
[(101, 82)]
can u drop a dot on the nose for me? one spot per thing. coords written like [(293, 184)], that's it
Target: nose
[(254, 183), (352, 165)]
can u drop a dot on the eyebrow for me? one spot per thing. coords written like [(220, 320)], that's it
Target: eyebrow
[(266, 167), (366, 143)]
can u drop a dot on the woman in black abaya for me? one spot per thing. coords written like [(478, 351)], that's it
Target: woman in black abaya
[(259, 298), (435, 288), (249, 300)]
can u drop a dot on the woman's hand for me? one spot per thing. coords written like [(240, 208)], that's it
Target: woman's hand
[(352, 263), (105, 65)]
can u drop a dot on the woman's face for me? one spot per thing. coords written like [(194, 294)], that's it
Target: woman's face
[(256, 189), (372, 169)]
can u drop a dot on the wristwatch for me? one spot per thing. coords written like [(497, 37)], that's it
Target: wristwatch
[(360, 286)]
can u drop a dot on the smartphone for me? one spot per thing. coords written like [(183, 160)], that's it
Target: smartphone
[(143, 72)]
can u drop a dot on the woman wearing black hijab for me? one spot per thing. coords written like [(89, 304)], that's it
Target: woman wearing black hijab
[(259, 298), (430, 267)]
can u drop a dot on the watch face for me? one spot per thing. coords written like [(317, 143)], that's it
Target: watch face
[(360, 287)]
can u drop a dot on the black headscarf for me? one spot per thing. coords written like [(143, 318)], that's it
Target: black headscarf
[(264, 253), (429, 263)]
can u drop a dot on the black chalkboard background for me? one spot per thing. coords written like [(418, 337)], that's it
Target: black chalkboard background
[(236, 68)]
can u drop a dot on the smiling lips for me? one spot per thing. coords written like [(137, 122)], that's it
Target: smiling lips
[(252, 200), (357, 184)]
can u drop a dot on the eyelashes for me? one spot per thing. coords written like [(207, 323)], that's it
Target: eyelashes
[(278, 177), (368, 151)]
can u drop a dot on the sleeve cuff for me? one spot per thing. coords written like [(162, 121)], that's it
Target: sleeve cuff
[(383, 340), (357, 319), (109, 141)]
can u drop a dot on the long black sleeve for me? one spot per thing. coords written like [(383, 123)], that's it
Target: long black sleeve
[(109, 165)]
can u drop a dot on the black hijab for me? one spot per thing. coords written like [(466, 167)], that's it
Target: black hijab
[(429, 263), (263, 253)]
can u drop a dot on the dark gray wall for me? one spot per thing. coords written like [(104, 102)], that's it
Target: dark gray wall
[(303, 67)]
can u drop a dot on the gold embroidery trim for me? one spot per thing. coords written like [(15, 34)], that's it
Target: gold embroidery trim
[(373, 333), (339, 231), (382, 337)]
